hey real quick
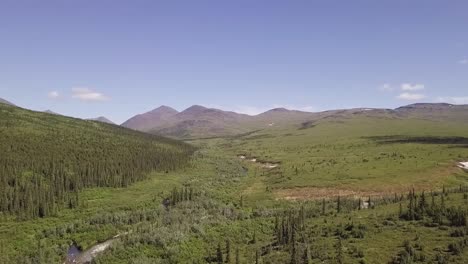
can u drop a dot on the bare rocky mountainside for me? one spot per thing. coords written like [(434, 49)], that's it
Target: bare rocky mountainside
[(151, 119), (198, 121), (195, 121)]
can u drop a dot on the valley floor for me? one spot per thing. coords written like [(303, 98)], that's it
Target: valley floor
[(222, 207)]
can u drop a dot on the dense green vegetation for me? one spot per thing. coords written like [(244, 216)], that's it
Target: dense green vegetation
[(221, 227), (47, 159), (354, 190), (216, 223), (360, 154)]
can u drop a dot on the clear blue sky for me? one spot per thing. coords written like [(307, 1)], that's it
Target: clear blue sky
[(87, 58)]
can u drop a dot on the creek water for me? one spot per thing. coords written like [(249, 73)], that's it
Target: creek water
[(76, 256), (73, 253), (463, 165), (266, 164)]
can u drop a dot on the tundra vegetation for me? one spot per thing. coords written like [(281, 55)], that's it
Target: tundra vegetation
[(355, 190)]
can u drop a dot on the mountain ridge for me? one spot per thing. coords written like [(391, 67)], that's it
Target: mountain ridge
[(200, 121)]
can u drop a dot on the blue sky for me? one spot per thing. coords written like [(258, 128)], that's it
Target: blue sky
[(117, 58)]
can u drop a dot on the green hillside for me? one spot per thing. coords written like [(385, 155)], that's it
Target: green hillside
[(47, 159)]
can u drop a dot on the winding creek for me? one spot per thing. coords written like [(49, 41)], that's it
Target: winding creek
[(263, 164), (463, 165), (76, 256)]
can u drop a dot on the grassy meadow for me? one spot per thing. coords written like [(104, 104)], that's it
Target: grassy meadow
[(363, 155), (340, 194)]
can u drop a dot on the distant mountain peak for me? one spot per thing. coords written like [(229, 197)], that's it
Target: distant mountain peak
[(151, 119), (163, 108), (51, 112), (279, 109), (102, 119), (195, 108)]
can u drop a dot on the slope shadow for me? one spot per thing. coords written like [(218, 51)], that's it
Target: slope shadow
[(457, 142)]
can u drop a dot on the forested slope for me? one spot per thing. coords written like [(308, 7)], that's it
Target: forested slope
[(46, 159)]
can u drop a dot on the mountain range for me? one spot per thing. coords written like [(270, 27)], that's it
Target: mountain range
[(198, 121), (201, 122)]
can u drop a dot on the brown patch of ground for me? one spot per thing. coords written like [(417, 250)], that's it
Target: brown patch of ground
[(425, 181), (316, 193)]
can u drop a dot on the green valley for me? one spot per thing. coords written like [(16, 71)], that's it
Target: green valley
[(233, 132), (342, 189)]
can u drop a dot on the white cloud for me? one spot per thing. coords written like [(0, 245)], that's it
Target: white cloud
[(86, 94), (386, 87), (463, 61), (411, 96), (412, 87), (453, 100), (53, 95)]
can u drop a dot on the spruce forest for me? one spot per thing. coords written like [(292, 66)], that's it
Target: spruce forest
[(48, 159)]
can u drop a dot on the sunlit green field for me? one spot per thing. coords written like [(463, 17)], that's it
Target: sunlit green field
[(360, 154), (232, 204)]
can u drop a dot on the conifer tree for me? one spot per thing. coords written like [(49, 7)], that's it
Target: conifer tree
[(442, 203), (219, 254), (432, 201), (323, 207), (305, 256), (228, 251), (422, 205), (293, 249), (338, 205), (339, 252)]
